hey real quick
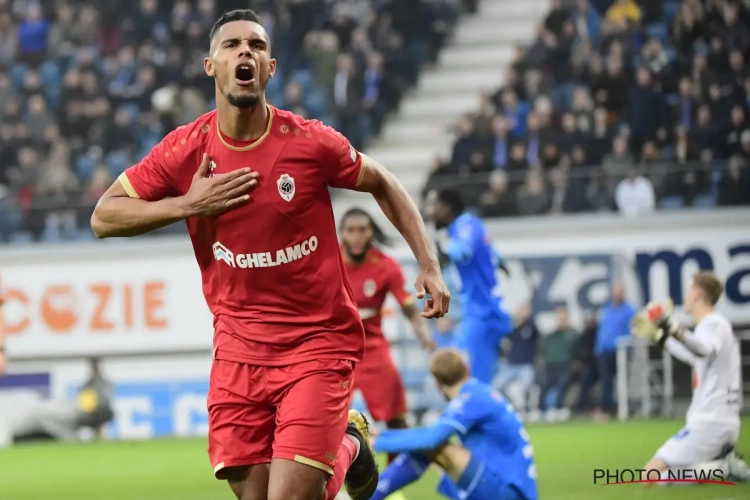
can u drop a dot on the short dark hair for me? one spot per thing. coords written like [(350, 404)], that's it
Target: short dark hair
[(231, 16), (453, 199)]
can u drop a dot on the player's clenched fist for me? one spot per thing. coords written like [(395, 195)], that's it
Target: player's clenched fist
[(215, 195), (430, 282)]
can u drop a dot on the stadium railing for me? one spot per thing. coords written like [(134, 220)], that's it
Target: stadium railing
[(676, 185), (647, 384)]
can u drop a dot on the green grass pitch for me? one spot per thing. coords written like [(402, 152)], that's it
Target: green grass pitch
[(566, 455)]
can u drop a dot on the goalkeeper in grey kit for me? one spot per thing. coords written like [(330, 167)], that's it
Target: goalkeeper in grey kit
[(713, 420)]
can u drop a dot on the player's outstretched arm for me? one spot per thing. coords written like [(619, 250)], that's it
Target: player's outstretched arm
[(416, 439), (119, 213), (398, 206)]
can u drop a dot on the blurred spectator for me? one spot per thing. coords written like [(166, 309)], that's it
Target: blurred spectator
[(584, 369), (734, 188), (114, 78), (557, 351), (498, 201), (614, 323), (444, 333), (534, 197), (635, 194), (32, 35), (519, 366), (608, 85)]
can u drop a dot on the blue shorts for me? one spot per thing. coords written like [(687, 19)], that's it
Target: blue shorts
[(480, 339), (478, 482)]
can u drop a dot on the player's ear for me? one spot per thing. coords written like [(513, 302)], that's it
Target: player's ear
[(271, 68), (208, 66)]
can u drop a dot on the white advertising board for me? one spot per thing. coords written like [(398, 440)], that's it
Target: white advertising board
[(145, 295)]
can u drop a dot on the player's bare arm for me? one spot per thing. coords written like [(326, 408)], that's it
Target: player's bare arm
[(420, 326), (119, 214), (398, 206)]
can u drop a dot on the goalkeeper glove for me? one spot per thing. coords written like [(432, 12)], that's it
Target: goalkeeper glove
[(654, 322)]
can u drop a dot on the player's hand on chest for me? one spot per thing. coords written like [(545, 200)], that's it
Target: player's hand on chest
[(287, 186)]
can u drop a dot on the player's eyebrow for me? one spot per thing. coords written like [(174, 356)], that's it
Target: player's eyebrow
[(237, 40)]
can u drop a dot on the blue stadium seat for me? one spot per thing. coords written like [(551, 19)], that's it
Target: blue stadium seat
[(658, 31), (669, 11), (305, 79), (84, 166), (673, 203), (50, 74), (704, 201), (315, 102), (17, 74), (117, 162), (21, 238)]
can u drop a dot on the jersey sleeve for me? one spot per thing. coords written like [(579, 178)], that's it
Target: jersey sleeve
[(711, 333), (397, 286), (463, 413), (153, 178), (343, 166), (462, 241)]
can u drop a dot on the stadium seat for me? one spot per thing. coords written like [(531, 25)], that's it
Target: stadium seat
[(84, 166), (658, 31), (673, 203), (704, 201), (17, 74), (669, 11)]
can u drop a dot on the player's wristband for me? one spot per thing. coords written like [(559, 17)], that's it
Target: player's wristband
[(662, 340), (672, 328)]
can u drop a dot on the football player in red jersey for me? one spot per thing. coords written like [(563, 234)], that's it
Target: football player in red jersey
[(372, 276), (252, 182)]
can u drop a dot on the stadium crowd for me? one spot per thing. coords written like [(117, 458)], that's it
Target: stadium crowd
[(88, 87), (616, 105)]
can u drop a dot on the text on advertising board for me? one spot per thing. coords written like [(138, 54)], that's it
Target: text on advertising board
[(98, 307)]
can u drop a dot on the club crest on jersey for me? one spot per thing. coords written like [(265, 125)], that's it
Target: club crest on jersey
[(286, 186), (368, 288)]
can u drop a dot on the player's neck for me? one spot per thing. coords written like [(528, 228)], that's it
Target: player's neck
[(453, 391), (243, 124), (701, 312)]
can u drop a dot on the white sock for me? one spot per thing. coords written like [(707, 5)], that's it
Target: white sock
[(357, 444)]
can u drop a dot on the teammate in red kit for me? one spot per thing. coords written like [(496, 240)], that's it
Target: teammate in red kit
[(373, 275), (252, 182)]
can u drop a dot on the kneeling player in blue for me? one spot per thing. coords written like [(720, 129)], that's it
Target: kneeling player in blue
[(485, 319), (494, 460)]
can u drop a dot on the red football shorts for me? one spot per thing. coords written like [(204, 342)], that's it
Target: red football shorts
[(296, 412), (378, 379)]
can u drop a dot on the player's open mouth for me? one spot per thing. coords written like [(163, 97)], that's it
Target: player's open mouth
[(244, 75)]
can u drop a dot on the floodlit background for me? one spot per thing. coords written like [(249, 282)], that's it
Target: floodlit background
[(603, 141)]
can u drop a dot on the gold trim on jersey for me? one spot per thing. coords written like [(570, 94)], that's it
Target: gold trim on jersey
[(313, 463), (125, 182), (362, 170), (256, 143)]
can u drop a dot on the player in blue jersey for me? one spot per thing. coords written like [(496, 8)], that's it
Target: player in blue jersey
[(485, 320), (495, 460)]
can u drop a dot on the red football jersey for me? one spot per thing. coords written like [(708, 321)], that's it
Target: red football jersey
[(272, 270), (371, 282)]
